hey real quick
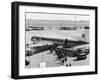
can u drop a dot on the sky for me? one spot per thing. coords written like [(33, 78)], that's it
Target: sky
[(48, 16)]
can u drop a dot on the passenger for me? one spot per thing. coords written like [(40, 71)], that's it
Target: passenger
[(58, 53), (27, 62), (62, 53), (65, 59), (70, 65), (62, 61), (67, 65), (50, 48)]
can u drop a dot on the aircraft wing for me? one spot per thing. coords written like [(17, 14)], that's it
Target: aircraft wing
[(60, 40)]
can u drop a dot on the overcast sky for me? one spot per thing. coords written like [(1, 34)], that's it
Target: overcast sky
[(42, 16)]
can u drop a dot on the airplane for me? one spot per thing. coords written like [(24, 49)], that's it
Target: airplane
[(78, 49), (71, 46)]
